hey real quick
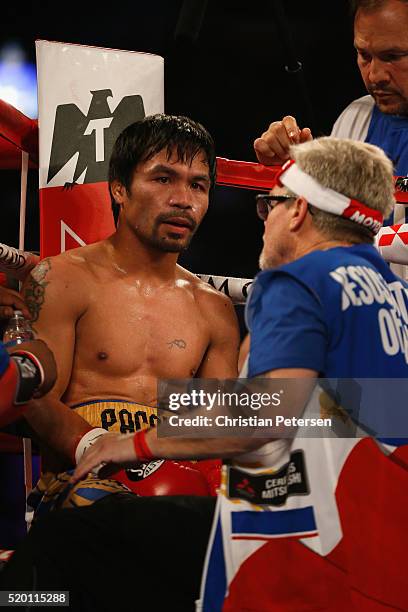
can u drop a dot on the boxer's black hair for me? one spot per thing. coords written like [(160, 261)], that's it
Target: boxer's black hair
[(143, 139)]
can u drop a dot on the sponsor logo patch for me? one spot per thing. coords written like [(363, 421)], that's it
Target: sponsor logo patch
[(270, 489)]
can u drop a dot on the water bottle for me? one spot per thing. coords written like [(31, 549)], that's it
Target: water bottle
[(18, 329)]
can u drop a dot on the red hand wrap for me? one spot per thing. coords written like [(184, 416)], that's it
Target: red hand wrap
[(142, 450)]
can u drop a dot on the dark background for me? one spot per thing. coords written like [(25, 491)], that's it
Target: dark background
[(225, 67)]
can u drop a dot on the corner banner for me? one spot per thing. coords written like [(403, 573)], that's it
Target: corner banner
[(87, 96)]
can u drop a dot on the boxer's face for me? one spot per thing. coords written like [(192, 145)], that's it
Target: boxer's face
[(167, 200), (381, 41), (277, 239)]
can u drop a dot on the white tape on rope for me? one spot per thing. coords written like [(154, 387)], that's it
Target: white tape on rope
[(392, 243), (15, 262), (235, 288)]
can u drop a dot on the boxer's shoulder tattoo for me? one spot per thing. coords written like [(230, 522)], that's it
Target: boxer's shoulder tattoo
[(178, 342), (34, 291)]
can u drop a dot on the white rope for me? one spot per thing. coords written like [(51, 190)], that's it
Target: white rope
[(15, 262), (235, 288)]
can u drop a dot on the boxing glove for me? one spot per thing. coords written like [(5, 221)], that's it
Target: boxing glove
[(163, 477), (211, 470)]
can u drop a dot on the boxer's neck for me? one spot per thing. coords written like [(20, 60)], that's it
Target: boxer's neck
[(133, 257)]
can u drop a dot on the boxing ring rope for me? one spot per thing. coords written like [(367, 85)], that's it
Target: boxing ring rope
[(19, 262), (16, 131), (19, 137)]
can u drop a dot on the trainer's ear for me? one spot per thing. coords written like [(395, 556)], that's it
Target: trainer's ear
[(298, 211), (118, 191)]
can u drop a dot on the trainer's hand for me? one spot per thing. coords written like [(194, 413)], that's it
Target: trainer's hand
[(10, 301), (45, 356), (273, 146), (107, 456)]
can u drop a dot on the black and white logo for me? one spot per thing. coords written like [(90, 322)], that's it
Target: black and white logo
[(143, 470), (90, 136), (401, 183), (270, 489)]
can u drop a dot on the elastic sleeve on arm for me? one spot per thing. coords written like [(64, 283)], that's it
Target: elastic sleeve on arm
[(287, 328), (18, 380)]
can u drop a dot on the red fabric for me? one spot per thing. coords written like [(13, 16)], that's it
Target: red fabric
[(366, 572), (362, 210), (282, 170), (9, 412), (250, 175), (81, 210), (10, 156), (387, 239), (142, 450), (16, 132), (211, 470)]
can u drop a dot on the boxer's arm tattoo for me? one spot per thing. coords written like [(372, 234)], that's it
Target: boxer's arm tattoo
[(178, 342), (34, 291)]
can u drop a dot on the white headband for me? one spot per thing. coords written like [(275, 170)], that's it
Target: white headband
[(327, 199)]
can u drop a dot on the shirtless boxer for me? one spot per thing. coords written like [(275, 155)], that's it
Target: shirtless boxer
[(121, 314)]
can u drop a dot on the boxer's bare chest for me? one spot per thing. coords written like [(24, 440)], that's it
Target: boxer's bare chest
[(132, 331)]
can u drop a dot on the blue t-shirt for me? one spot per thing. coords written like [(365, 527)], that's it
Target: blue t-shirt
[(341, 312), (4, 359), (390, 133)]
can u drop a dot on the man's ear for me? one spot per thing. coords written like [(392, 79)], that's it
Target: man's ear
[(118, 191), (298, 213)]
